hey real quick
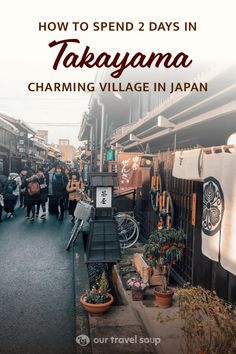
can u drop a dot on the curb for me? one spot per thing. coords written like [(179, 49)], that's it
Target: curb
[(81, 283)]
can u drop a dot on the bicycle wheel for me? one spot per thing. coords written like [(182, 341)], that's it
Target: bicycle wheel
[(78, 231), (128, 230), (127, 243), (74, 227), (75, 231), (126, 224)]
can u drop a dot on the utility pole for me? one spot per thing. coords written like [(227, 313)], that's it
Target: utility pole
[(102, 134)]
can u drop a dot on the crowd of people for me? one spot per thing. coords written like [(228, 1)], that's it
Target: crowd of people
[(57, 189)]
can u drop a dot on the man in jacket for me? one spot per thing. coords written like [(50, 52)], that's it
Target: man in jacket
[(59, 183)]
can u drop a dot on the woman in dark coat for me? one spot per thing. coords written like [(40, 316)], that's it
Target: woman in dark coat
[(43, 194), (32, 196), (59, 183), (9, 201)]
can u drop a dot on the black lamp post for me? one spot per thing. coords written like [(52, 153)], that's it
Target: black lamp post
[(103, 243)]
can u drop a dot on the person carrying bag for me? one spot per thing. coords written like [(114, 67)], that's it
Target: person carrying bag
[(74, 188)]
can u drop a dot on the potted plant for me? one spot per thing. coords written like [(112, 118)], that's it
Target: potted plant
[(98, 301), (164, 248), (137, 286)]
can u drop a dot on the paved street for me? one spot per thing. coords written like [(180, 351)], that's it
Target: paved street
[(36, 287)]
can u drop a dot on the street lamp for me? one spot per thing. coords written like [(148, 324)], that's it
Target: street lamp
[(133, 137), (102, 133), (163, 122)]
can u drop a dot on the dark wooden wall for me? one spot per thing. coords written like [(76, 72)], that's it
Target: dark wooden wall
[(195, 267)]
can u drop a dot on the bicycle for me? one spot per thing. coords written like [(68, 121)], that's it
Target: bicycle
[(127, 226), (82, 214)]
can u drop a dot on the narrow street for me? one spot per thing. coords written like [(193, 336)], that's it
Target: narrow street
[(36, 287)]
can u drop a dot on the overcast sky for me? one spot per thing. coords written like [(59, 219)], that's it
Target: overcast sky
[(25, 56)]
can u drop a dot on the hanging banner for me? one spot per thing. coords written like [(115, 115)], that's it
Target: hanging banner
[(129, 171), (188, 164), (219, 209)]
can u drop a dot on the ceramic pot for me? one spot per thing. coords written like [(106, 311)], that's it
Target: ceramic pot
[(163, 299), (96, 309)]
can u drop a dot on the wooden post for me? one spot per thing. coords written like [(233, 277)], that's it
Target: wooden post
[(153, 182), (167, 204), (160, 202), (164, 199), (157, 181), (194, 202)]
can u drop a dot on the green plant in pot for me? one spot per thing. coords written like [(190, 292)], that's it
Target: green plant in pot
[(98, 300), (164, 249)]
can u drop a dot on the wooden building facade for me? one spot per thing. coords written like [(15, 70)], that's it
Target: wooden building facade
[(197, 119), (18, 146)]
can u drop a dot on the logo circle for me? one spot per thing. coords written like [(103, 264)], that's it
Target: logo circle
[(213, 206), (82, 340)]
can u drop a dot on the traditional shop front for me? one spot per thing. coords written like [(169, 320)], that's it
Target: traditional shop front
[(191, 122), (162, 199), (8, 145), (187, 121), (15, 138)]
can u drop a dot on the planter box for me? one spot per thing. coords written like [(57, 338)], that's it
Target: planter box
[(137, 295), (155, 277), (141, 266), (152, 276)]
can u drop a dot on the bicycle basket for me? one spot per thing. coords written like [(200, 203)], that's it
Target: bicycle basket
[(83, 211)]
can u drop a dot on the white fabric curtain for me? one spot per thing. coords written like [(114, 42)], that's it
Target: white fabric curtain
[(219, 208), (188, 164)]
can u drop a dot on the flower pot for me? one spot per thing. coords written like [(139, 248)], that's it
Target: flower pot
[(137, 294), (156, 271), (156, 277), (96, 309), (163, 298)]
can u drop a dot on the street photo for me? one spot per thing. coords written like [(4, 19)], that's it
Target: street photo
[(117, 177)]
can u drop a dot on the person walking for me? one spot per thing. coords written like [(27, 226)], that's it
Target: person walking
[(32, 196), (9, 200), (68, 176), (59, 183), (1, 200), (14, 181), (1, 203), (74, 188), (3, 182), (51, 203), (43, 194), (23, 177)]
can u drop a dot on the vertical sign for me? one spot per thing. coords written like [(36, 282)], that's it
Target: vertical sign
[(103, 197)]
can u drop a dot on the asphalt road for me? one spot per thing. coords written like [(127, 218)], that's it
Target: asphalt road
[(36, 287)]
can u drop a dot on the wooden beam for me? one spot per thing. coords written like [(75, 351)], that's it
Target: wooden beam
[(201, 118), (172, 100)]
